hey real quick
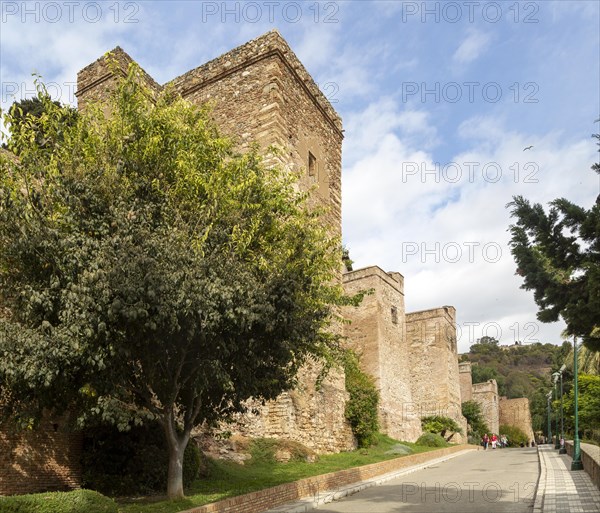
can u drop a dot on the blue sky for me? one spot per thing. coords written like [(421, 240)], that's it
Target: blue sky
[(438, 100)]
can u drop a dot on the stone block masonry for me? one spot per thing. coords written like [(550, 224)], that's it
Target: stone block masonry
[(261, 93), (258, 92), (516, 412), (377, 333), (466, 381), (486, 395), (434, 376)]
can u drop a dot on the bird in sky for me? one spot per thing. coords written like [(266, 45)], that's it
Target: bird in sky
[(528, 148)]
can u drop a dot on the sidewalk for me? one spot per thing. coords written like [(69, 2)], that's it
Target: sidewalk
[(561, 490)]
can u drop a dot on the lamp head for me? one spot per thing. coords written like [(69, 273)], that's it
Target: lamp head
[(563, 368)]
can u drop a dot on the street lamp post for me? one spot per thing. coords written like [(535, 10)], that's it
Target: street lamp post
[(557, 445), (576, 464), (563, 449), (549, 397)]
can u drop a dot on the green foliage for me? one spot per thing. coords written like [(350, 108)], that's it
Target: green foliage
[(515, 436), (471, 410), (522, 371), (440, 425), (432, 440), (558, 255), (134, 462), (588, 406), (151, 272), (346, 259), (28, 114), (78, 501), (490, 341), (483, 373), (362, 406)]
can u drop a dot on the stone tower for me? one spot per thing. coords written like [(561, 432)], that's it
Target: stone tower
[(434, 376), (378, 334), (466, 381), (516, 412), (261, 93), (486, 395), (258, 92)]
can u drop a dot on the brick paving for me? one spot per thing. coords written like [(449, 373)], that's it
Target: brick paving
[(561, 490)]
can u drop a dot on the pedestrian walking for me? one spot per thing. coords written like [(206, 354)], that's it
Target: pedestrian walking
[(494, 440), (486, 441)]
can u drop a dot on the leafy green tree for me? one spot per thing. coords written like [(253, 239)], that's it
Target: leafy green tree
[(31, 112), (152, 273), (362, 406), (471, 410), (487, 340), (558, 255), (440, 425), (588, 405), (483, 373)]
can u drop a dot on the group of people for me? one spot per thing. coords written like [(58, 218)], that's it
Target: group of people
[(494, 441)]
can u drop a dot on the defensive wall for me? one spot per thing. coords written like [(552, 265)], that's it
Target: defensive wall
[(466, 381), (377, 333), (516, 412), (434, 376), (486, 395), (261, 93)]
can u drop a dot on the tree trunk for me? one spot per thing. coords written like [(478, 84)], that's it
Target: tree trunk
[(176, 445)]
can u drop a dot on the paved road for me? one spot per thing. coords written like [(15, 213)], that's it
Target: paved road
[(492, 481)]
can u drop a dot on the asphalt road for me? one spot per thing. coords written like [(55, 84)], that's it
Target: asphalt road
[(492, 481)]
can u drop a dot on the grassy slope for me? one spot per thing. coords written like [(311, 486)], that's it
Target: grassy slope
[(229, 479)]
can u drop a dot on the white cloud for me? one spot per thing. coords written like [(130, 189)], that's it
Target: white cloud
[(449, 237), (475, 44)]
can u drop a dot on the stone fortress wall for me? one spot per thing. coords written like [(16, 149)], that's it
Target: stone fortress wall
[(486, 395), (516, 412), (466, 381), (377, 333), (497, 411), (433, 361), (261, 93)]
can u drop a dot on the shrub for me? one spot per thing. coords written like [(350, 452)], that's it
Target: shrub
[(78, 501), (431, 440), (132, 462), (362, 407), (471, 410), (515, 435), (440, 425)]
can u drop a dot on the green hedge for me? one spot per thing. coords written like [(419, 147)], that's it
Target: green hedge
[(78, 501)]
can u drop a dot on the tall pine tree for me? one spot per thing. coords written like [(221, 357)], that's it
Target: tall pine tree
[(558, 255)]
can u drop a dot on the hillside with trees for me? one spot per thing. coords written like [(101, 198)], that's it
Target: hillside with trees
[(519, 370)]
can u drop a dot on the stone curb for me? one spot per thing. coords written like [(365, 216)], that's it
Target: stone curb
[(540, 488), (310, 503)]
